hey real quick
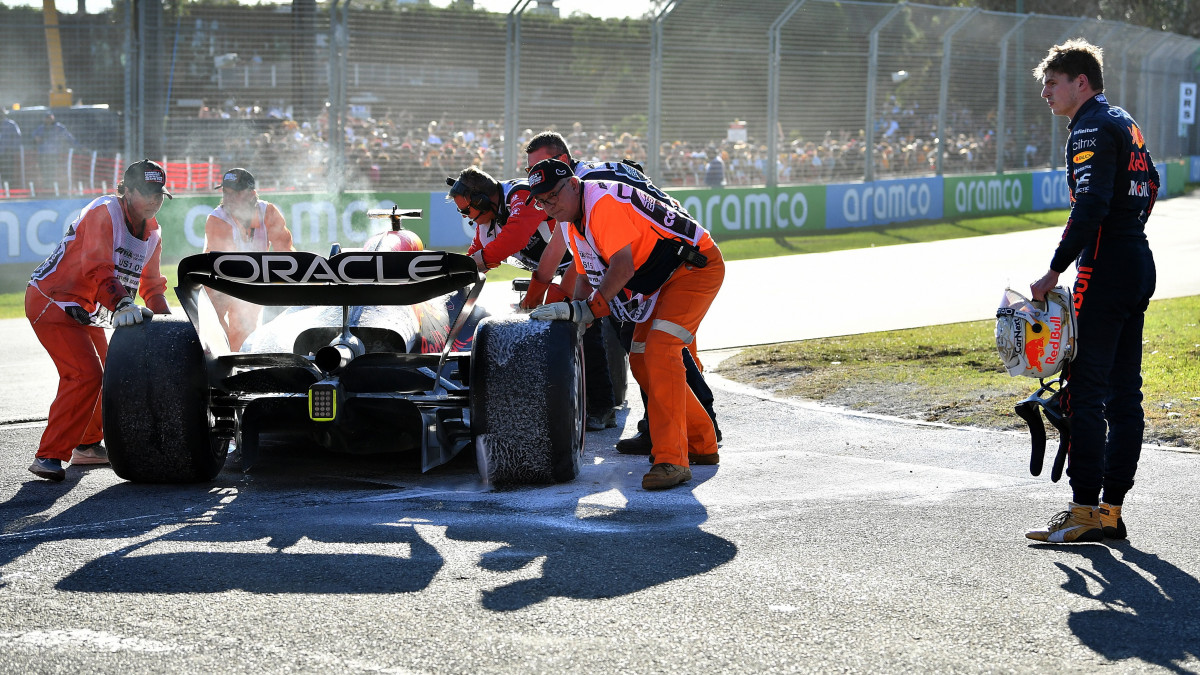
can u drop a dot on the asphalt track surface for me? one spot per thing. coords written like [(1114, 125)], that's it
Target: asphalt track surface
[(824, 541)]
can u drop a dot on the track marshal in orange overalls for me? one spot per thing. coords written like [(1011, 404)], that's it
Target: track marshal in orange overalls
[(242, 222), (649, 263), (107, 256)]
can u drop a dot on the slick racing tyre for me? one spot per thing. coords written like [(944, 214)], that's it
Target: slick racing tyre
[(527, 400), (156, 421)]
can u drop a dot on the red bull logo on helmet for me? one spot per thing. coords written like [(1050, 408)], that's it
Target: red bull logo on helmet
[(1035, 345), (1043, 344)]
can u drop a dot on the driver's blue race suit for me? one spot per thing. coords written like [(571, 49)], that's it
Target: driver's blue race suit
[(1113, 184)]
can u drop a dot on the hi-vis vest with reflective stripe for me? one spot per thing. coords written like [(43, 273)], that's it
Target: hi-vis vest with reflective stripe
[(257, 241), (129, 256), (663, 220), (620, 172)]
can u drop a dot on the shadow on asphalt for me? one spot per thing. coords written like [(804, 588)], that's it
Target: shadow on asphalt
[(322, 527), (1151, 606), (596, 551)]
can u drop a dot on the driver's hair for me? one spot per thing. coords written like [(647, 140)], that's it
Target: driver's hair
[(1074, 58), (548, 139)]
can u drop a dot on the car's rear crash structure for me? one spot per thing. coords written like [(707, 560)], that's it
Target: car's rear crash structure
[(373, 353)]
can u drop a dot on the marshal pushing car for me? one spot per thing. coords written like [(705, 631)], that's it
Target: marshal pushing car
[(372, 350)]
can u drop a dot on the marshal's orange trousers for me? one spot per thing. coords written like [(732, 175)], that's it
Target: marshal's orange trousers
[(678, 422), (238, 317), (78, 352)]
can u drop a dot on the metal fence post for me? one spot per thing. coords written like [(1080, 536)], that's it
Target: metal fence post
[(654, 121), (774, 63), (1107, 36), (1002, 102), (1125, 62), (130, 80), (139, 128), (1055, 155), (872, 75), (1145, 78), (512, 86), (944, 90), (337, 136)]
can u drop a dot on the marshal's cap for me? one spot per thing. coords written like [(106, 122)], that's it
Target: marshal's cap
[(545, 176), (237, 179), (147, 176)]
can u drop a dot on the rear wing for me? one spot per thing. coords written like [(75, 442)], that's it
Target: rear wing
[(345, 279), (304, 278)]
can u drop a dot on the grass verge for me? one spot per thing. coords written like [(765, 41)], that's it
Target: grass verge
[(952, 374), (12, 305)]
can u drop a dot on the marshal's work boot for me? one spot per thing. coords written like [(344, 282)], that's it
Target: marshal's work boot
[(635, 445), (705, 459), (663, 476), (1077, 525), (1111, 522)]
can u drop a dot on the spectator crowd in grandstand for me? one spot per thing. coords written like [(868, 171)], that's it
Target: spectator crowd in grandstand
[(394, 151)]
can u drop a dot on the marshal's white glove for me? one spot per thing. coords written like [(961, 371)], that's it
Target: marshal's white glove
[(128, 313), (575, 310)]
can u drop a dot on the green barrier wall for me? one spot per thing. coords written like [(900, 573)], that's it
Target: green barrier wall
[(1177, 175), (987, 195)]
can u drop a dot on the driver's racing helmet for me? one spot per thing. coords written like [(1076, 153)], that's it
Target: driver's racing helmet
[(1035, 339)]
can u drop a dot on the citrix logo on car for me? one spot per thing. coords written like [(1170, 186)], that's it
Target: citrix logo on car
[(358, 268)]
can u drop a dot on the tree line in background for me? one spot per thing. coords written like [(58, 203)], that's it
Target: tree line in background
[(1174, 16)]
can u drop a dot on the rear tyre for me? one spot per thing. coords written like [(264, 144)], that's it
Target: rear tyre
[(527, 400), (156, 420)]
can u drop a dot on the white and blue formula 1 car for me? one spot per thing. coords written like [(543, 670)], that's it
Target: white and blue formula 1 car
[(372, 350)]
